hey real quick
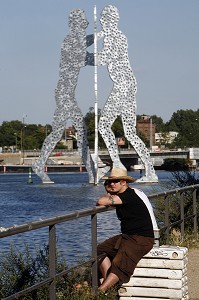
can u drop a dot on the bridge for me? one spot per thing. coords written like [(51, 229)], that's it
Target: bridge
[(128, 157)]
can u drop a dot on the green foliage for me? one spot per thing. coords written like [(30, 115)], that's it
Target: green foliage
[(173, 164), (180, 179), (90, 123), (144, 139), (185, 122), (185, 178), (9, 132), (86, 293), (117, 127), (33, 135), (159, 124), (188, 240), (20, 270)]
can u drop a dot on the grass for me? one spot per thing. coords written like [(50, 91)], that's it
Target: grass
[(188, 241)]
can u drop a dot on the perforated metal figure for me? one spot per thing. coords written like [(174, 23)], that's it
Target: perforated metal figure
[(121, 101), (73, 57)]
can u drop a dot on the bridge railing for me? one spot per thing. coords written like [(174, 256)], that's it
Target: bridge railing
[(93, 212)]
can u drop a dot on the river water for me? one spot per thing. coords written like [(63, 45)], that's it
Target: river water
[(22, 202)]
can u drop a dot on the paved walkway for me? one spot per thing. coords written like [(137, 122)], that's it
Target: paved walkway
[(193, 274)]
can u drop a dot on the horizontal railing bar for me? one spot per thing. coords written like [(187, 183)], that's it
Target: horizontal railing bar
[(183, 189), (29, 289), (75, 215), (178, 222), (171, 225), (74, 268), (90, 261), (52, 221)]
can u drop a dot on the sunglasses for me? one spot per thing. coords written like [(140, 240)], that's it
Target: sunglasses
[(107, 182)]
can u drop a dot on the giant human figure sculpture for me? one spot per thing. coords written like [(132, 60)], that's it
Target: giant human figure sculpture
[(121, 101), (73, 57)]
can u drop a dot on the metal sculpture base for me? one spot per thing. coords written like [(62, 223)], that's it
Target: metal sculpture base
[(145, 179)]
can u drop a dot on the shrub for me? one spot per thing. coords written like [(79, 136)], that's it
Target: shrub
[(20, 270), (175, 164), (180, 179)]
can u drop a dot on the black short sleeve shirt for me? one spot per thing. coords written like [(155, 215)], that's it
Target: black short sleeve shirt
[(134, 215)]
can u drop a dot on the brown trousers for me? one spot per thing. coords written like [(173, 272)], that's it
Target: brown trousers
[(124, 252)]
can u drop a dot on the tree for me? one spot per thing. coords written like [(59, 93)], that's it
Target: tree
[(90, 123), (159, 124), (186, 123), (10, 132)]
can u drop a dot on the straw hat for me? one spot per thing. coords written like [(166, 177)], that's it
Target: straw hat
[(117, 173)]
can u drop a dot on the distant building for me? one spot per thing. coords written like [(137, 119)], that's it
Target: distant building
[(70, 138), (163, 138), (120, 141), (70, 131), (146, 126)]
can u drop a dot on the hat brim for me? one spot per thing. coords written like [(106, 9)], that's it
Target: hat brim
[(126, 178)]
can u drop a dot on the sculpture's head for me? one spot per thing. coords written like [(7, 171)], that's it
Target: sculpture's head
[(109, 16), (77, 19)]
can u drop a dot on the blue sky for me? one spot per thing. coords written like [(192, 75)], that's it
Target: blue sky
[(163, 38)]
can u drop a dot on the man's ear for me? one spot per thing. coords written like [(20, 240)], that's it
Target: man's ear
[(123, 182)]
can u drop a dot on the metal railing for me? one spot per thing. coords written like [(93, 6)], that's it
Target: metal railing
[(180, 194), (92, 212)]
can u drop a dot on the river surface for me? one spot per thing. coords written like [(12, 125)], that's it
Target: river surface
[(22, 202)]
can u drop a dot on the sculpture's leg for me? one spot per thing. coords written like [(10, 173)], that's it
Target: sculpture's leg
[(130, 133), (107, 118), (102, 167), (82, 143), (49, 144)]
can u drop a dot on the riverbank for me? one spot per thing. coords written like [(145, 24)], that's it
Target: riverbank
[(49, 168)]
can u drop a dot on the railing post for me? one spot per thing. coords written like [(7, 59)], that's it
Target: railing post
[(52, 261), (94, 252), (166, 217), (182, 215), (195, 215)]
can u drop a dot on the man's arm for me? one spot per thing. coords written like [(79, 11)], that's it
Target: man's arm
[(109, 200), (89, 61)]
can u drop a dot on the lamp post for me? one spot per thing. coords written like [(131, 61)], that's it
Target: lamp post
[(151, 133), (46, 130), (15, 141), (22, 146)]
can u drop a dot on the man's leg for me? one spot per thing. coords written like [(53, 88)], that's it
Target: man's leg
[(110, 281), (104, 265)]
